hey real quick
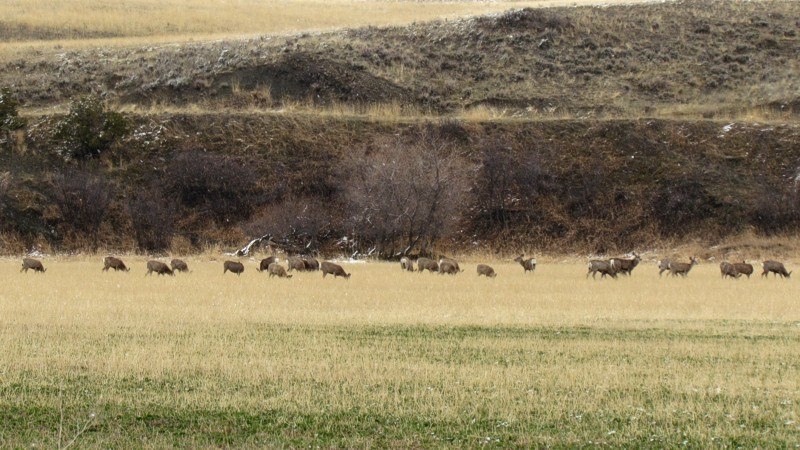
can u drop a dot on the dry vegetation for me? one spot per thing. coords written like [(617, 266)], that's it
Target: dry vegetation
[(64, 21), (396, 359), (676, 59)]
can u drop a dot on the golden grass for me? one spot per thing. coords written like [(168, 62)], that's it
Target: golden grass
[(74, 293), (139, 22), (390, 358)]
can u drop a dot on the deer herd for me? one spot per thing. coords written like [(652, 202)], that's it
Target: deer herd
[(605, 267)]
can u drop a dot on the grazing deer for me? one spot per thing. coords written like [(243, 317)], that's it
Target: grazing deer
[(333, 269), (728, 270), (663, 266), (311, 264), (451, 261), (296, 263), (33, 264), (528, 265), (406, 264), (744, 268), (776, 268), (487, 271), (448, 267), (626, 265), (233, 267), (427, 264), (276, 269), (681, 268), (604, 267), (179, 265), (159, 268), (264, 265), (110, 262)]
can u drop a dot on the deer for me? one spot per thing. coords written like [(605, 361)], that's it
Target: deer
[(451, 261), (278, 270), (427, 264), (486, 271), (744, 268), (110, 262), (296, 263), (312, 265), (528, 265), (663, 266), (159, 268), (448, 267), (604, 267), (265, 263), (776, 268), (728, 270), (406, 264), (626, 265), (233, 267), (682, 268), (33, 264), (333, 269), (179, 265)]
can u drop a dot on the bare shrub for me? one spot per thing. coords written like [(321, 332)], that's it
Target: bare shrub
[(776, 210), (83, 202), (507, 182), (680, 204), (406, 194), (301, 224), (152, 219), (218, 186)]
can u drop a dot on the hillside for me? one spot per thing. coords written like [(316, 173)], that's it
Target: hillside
[(620, 127), (708, 58)]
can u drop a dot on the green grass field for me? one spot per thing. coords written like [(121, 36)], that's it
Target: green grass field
[(395, 359)]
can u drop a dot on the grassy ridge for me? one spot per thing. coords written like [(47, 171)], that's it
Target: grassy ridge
[(72, 20), (396, 359), (671, 59)]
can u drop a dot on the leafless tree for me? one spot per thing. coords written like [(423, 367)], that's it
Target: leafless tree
[(152, 218), (407, 193), (83, 201)]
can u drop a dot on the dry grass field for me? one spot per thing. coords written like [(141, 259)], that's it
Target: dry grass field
[(396, 359), (82, 19)]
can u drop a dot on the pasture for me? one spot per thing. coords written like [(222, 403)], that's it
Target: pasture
[(390, 358)]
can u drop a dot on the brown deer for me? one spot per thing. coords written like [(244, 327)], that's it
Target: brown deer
[(406, 264), (110, 262), (233, 267), (604, 267), (776, 268), (333, 269), (33, 264), (312, 265), (296, 263), (728, 270), (159, 268), (265, 263), (487, 271), (663, 266), (528, 265), (682, 268), (179, 265), (448, 267), (427, 264), (744, 268), (451, 261), (625, 266), (278, 270)]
